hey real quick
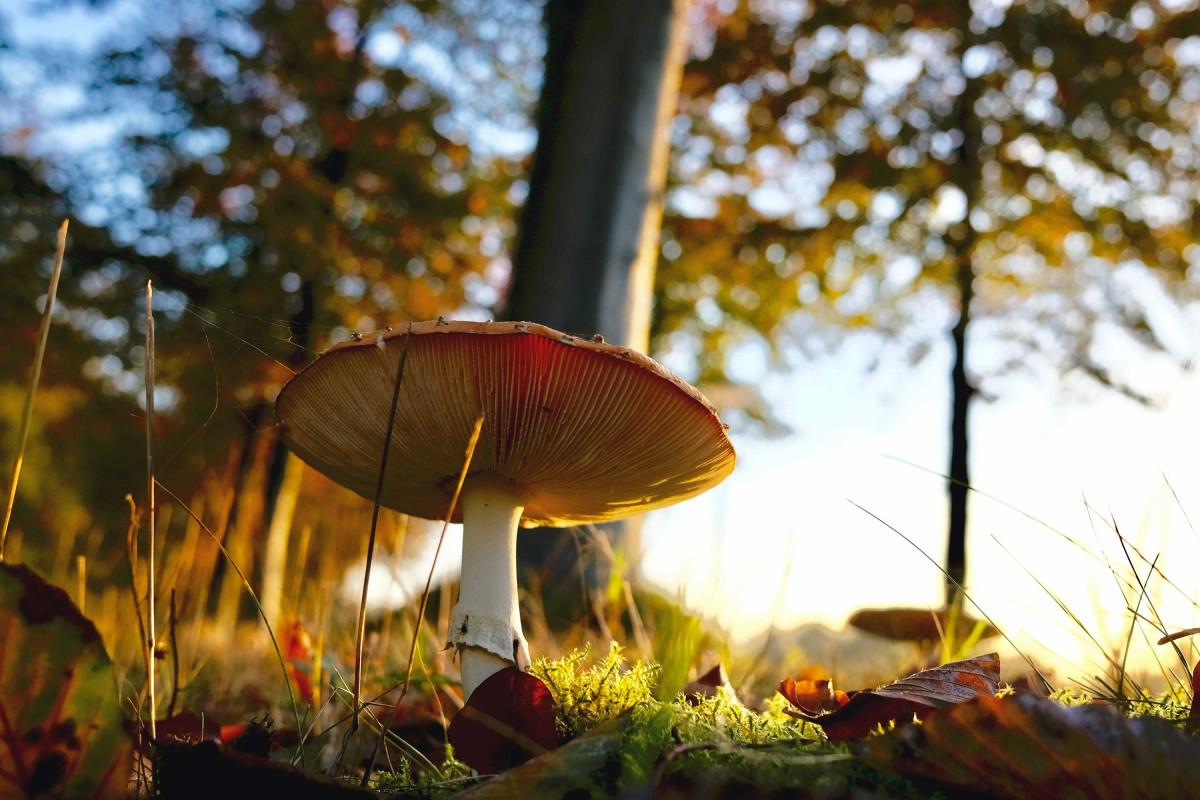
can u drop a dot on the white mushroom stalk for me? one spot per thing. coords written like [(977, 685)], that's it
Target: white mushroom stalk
[(485, 626), (577, 431)]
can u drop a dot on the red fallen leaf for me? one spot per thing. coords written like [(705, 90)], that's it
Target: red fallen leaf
[(508, 720), (296, 644), (922, 693), (1029, 748), (813, 696), (228, 734)]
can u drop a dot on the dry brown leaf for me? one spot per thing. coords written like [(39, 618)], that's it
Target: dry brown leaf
[(1036, 749), (920, 694), (813, 697)]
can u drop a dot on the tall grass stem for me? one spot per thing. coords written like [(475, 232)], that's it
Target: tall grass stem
[(412, 650), (150, 505), (34, 376), (362, 606)]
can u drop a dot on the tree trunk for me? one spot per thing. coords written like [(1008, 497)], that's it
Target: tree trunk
[(588, 245), (966, 177), (956, 547)]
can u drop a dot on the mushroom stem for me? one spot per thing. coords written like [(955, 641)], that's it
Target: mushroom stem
[(486, 624)]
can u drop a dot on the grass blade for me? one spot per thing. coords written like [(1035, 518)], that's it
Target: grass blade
[(34, 377), (362, 606), (254, 597), (150, 505), (412, 651)]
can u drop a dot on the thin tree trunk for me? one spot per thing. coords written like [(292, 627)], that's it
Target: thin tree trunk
[(956, 547), (966, 177)]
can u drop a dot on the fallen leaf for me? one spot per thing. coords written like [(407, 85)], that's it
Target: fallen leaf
[(61, 732), (813, 672), (207, 770), (922, 693), (1033, 749), (508, 720), (564, 772), (709, 684), (813, 696)]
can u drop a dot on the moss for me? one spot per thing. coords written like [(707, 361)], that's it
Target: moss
[(453, 776), (1072, 697), (689, 739), (1174, 706), (585, 698)]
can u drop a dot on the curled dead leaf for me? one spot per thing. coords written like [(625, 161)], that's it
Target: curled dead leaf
[(920, 694), (813, 696)]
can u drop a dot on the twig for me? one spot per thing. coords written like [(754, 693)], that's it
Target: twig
[(1171, 637), (362, 606), (131, 551), (412, 651), (150, 506), (34, 377)]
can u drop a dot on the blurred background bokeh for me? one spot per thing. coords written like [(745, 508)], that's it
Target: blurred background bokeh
[(898, 242)]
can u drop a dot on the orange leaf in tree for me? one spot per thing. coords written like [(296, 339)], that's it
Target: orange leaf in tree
[(61, 732), (1032, 748), (921, 694)]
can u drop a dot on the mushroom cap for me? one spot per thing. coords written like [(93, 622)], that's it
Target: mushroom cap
[(584, 431), (916, 624)]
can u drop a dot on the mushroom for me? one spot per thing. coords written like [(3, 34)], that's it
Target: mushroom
[(919, 625), (575, 431)]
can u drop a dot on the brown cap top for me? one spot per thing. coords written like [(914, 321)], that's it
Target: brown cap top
[(586, 431), (916, 624)]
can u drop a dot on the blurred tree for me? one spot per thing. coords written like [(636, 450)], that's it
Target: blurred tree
[(845, 158), (92, 310), (587, 249), (585, 257), (293, 172)]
